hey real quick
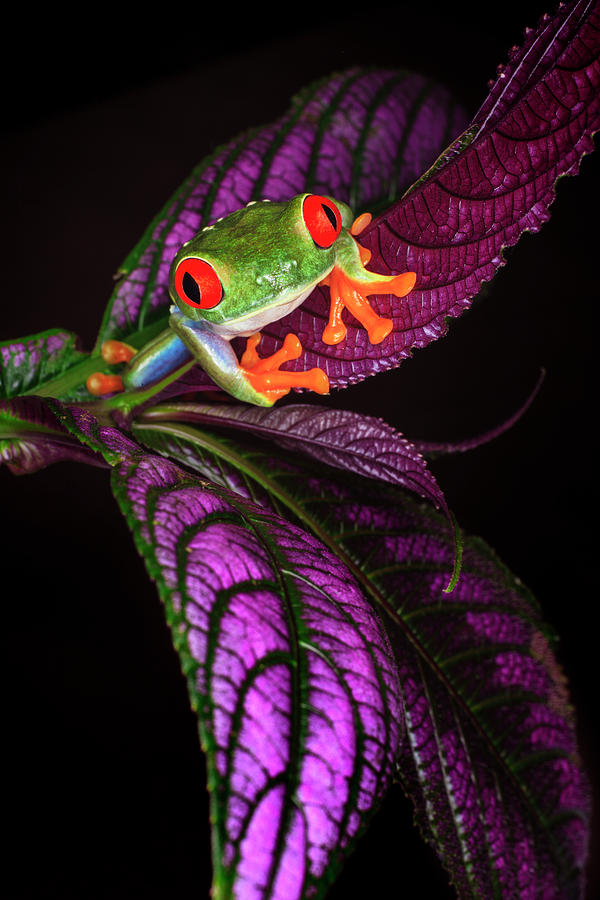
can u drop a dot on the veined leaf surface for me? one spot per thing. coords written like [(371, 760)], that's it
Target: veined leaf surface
[(288, 668), (31, 438), (359, 444), (347, 440), (491, 761), (484, 192), (28, 364)]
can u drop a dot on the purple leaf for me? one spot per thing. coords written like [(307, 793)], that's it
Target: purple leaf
[(491, 763), (347, 440), (362, 135), (453, 226), (104, 440), (31, 437), (435, 448), (288, 668), (351, 441)]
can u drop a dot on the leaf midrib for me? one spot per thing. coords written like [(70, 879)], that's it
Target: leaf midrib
[(189, 412)]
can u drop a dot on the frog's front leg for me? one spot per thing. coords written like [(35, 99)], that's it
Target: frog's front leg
[(157, 359), (252, 379), (350, 283)]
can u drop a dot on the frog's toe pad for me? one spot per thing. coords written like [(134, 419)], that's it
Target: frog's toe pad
[(319, 382), (117, 352), (334, 333), (379, 330), (401, 285), (100, 384)]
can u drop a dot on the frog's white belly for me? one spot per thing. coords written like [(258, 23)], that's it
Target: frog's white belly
[(249, 324)]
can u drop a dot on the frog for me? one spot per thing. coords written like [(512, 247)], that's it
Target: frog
[(244, 271)]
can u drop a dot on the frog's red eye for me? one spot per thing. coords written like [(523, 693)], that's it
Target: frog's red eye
[(197, 284), (322, 218)]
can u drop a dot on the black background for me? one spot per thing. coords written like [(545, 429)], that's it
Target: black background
[(103, 116)]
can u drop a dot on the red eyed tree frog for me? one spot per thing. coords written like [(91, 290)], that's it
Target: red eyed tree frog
[(241, 273)]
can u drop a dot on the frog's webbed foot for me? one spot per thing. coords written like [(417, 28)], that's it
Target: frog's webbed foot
[(264, 375), (112, 352), (350, 284)]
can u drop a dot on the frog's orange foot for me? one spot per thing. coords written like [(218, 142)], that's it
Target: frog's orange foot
[(351, 293), (112, 352), (99, 384), (117, 352), (264, 375)]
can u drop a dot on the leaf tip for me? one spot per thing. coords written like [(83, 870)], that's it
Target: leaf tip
[(458, 555)]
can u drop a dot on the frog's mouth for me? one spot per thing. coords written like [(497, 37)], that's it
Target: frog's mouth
[(256, 320)]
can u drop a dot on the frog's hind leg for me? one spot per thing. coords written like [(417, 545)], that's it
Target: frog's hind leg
[(251, 379), (157, 359)]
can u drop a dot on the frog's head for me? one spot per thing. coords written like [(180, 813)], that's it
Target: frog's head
[(259, 261)]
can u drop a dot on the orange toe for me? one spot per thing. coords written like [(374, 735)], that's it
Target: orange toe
[(117, 351), (99, 384)]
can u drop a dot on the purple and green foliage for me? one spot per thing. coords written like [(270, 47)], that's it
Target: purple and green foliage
[(334, 631), (490, 758)]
